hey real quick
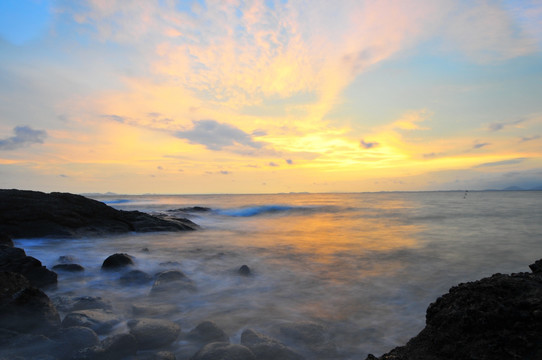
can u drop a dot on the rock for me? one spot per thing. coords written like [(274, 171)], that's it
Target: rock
[(66, 259), (29, 311), (98, 320), (74, 339), (311, 337), (499, 317), (154, 333), (171, 281), (135, 277), (10, 284), (30, 214), (68, 267), (224, 351), (67, 304), (207, 332), (6, 240), (266, 348), (193, 209), (15, 346), (160, 355), (15, 260), (536, 267), (244, 270), (117, 261), (115, 347)]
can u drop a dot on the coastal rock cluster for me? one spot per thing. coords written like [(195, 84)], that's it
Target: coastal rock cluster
[(28, 214)]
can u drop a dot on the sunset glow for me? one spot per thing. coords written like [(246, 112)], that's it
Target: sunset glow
[(270, 96)]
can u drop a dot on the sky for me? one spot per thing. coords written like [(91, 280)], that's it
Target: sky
[(240, 96)]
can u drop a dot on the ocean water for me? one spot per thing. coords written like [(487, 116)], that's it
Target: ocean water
[(363, 265)]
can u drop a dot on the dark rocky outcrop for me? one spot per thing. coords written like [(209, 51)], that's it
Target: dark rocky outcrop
[(29, 214), (154, 333), (207, 332), (117, 261), (6, 240), (224, 351), (499, 317), (15, 260), (244, 270)]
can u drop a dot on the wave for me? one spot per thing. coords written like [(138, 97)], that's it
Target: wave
[(263, 210)]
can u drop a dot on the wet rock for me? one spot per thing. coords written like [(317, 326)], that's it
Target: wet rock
[(73, 339), (68, 267), (29, 214), (29, 311), (171, 281), (98, 320), (115, 347), (135, 277), (311, 337), (6, 240), (69, 304), (160, 355), (154, 333), (244, 270), (266, 348), (16, 346), (193, 209), (495, 318), (207, 332), (15, 260), (10, 284), (117, 261), (66, 259), (224, 351)]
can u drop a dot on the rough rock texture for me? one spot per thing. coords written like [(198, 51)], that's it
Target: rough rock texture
[(207, 332), (171, 281), (14, 259), (224, 351), (68, 267), (29, 214), (29, 311), (117, 261), (154, 333), (499, 317), (266, 348), (98, 320)]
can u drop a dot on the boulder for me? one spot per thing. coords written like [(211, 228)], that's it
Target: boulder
[(73, 339), (135, 277), (28, 311), (266, 348), (115, 347), (117, 261), (154, 333), (14, 259), (207, 332), (171, 281), (244, 270), (224, 351), (68, 267), (10, 284), (98, 320), (6, 240), (499, 317), (30, 214)]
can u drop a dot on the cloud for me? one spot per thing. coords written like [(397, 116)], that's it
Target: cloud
[(273, 164), (216, 136), (289, 161), (480, 145), (368, 145), (24, 136), (117, 118), (530, 138), (502, 163), (497, 126)]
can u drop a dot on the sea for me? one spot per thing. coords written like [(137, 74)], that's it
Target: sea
[(364, 266)]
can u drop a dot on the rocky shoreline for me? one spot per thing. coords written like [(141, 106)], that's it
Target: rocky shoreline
[(499, 317)]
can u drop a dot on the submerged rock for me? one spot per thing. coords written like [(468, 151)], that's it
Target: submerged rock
[(14, 259), (266, 348), (98, 320), (117, 261), (171, 281), (499, 317), (311, 337), (154, 333), (73, 339), (29, 214), (244, 270), (223, 351), (207, 332), (68, 267), (135, 277)]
